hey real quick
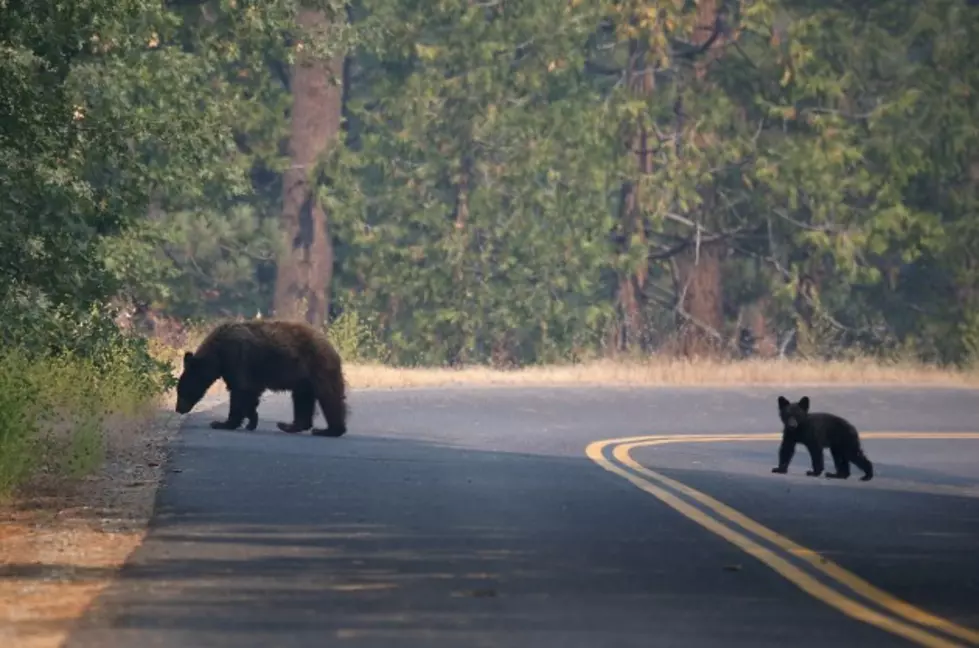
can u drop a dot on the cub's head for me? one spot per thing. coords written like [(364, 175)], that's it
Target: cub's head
[(197, 377), (793, 415)]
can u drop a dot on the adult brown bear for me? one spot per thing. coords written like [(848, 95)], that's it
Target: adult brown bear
[(273, 355)]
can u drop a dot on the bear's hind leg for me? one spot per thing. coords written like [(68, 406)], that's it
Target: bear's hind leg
[(816, 454), (860, 460), (303, 408), (841, 463), (332, 398)]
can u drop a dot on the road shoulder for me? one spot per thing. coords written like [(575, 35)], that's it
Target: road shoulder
[(62, 546)]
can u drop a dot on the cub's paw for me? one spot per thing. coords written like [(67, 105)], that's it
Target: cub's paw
[(866, 478), (252, 425), (813, 473), (223, 425), (291, 428), (780, 470), (837, 475)]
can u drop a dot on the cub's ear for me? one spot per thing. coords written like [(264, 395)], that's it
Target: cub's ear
[(804, 403), (188, 359), (783, 402)]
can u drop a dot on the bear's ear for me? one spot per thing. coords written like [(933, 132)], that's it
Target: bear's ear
[(804, 403), (783, 402), (188, 359)]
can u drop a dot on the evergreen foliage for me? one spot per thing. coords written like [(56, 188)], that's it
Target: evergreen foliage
[(517, 181)]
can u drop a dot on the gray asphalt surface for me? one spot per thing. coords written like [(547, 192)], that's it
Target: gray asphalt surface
[(461, 517)]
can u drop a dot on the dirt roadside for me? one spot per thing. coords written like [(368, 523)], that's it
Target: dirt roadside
[(62, 545)]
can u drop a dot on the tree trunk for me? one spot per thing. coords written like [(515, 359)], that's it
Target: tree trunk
[(756, 321), (305, 269), (698, 269), (698, 282), (629, 300)]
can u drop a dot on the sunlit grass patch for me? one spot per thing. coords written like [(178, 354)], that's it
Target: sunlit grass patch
[(666, 371)]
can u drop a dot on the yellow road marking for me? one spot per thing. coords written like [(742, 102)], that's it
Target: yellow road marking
[(834, 571), (848, 606), (958, 491)]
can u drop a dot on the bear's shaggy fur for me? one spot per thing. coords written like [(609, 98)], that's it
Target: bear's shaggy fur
[(273, 355), (818, 430)]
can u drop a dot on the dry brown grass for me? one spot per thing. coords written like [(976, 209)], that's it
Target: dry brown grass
[(657, 371), (654, 373), (668, 372)]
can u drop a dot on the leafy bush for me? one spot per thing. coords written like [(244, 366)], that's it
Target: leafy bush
[(354, 335), (63, 374)]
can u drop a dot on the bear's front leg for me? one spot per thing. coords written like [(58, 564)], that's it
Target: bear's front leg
[(242, 404), (785, 452), (252, 414)]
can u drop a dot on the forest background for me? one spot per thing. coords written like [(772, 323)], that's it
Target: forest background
[(458, 183)]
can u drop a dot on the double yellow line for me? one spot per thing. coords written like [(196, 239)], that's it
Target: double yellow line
[(735, 524)]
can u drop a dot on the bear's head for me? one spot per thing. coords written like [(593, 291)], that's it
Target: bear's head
[(793, 415), (197, 377)]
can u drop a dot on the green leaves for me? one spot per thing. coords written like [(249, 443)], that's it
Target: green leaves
[(459, 216), (475, 205), (101, 115)]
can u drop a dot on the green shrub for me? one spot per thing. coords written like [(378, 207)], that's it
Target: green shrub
[(62, 376), (354, 335), (53, 409)]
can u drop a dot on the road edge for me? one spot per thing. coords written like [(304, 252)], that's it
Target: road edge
[(58, 562)]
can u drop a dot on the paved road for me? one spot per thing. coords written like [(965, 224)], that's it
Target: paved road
[(461, 517)]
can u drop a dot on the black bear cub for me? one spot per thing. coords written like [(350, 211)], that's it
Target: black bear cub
[(818, 430)]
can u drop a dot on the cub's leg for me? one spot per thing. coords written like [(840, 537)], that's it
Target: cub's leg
[(860, 460), (785, 452), (840, 461), (303, 408), (816, 454)]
